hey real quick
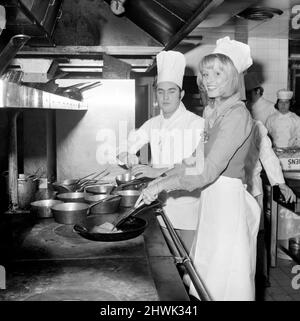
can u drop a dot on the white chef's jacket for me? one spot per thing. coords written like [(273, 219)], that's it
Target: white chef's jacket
[(172, 140), (261, 153), (284, 129), (262, 109)]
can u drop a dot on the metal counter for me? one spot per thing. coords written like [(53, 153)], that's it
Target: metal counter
[(48, 261)]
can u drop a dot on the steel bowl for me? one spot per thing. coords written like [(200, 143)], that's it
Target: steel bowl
[(42, 209), (67, 185), (129, 197), (107, 207), (72, 197), (70, 213), (124, 178), (99, 189)]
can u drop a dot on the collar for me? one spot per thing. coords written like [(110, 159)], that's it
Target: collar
[(212, 113)]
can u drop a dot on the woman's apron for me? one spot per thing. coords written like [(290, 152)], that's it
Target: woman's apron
[(224, 250)]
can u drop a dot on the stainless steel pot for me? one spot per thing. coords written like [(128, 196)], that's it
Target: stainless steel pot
[(109, 206), (42, 209), (71, 197), (129, 197), (72, 213), (99, 189), (294, 243), (124, 178), (67, 185)]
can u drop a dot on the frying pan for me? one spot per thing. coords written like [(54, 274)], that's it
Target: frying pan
[(131, 227)]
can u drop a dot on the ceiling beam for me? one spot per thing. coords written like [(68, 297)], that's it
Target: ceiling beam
[(200, 14), (92, 51)]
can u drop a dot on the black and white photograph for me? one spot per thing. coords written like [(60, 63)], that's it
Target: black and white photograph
[(149, 155)]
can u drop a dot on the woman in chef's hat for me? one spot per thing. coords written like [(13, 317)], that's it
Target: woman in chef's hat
[(224, 250)]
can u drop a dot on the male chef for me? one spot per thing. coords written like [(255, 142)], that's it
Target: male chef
[(260, 108), (173, 136)]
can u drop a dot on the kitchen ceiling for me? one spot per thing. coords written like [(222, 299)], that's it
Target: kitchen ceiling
[(88, 29)]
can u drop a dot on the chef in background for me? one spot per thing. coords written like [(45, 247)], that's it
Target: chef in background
[(284, 125), (261, 156), (259, 107), (173, 136)]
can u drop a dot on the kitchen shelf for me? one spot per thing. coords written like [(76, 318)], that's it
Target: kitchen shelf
[(13, 95)]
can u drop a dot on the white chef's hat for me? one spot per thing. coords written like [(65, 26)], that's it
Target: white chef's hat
[(237, 51), (284, 94), (251, 81), (170, 67)]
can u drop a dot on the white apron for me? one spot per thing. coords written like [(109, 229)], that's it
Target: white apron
[(224, 250)]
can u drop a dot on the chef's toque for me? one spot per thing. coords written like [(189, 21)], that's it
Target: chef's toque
[(284, 94), (170, 67), (237, 51)]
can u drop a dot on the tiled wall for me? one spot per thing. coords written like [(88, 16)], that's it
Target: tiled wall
[(270, 58)]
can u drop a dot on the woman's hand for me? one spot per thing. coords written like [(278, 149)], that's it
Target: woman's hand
[(146, 171), (288, 194), (148, 195)]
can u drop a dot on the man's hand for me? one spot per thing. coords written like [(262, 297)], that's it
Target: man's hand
[(128, 159), (146, 171), (148, 195), (288, 194)]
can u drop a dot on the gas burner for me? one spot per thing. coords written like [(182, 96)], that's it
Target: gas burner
[(67, 232)]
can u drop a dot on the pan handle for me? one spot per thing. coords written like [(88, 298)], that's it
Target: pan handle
[(108, 198), (80, 229)]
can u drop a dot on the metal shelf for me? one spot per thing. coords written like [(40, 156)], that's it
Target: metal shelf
[(13, 95)]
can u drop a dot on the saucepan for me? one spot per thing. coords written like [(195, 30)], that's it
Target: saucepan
[(109, 206), (71, 197), (42, 209), (72, 212), (99, 189), (130, 228), (67, 185), (129, 197), (124, 178), (128, 181)]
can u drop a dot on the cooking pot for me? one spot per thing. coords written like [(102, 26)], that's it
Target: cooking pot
[(124, 178), (99, 189), (42, 208), (109, 206), (71, 197), (72, 212), (67, 185), (294, 243), (129, 197), (26, 188)]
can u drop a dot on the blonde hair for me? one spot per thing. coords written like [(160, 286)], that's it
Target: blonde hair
[(227, 66)]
